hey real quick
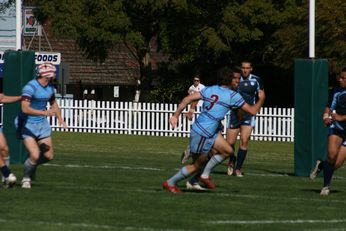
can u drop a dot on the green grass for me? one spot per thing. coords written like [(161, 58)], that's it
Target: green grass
[(114, 182)]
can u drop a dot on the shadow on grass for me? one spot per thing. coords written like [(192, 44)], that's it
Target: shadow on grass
[(319, 190), (260, 171)]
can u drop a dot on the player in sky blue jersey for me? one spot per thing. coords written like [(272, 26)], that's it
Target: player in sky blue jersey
[(9, 178), (205, 136), (242, 123), (335, 117), (32, 125)]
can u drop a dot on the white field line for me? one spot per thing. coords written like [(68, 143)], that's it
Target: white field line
[(260, 222), (85, 225), (158, 169), (159, 190), (104, 167), (141, 168)]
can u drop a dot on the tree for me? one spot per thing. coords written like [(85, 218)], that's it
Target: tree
[(98, 26), (291, 40), (5, 4), (220, 32)]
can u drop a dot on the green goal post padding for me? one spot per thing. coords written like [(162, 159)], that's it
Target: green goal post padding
[(18, 70), (311, 97)]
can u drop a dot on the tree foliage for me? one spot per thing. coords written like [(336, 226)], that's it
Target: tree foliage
[(291, 40), (5, 4)]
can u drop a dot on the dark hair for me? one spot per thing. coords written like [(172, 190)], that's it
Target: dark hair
[(224, 75), (343, 69), (236, 69)]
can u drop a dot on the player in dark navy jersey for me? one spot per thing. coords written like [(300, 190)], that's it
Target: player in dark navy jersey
[(242, 123), (335, 117)]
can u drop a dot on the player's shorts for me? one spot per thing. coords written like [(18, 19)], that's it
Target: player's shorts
[(38, 130), (247, 119), (200, 144), (338, 132)]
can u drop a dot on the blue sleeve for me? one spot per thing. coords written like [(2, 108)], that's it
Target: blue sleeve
[(28, 90)]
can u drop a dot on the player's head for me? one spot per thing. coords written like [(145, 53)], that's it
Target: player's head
[(196, 80), (342, 78), (246, 68), (235, 78), (46, 70), (224, 75)]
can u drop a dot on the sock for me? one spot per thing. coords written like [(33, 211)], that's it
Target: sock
[(182, 174), (240, 158), (328, 170), (215, 160), (29, 168), (5, 171), (320, 166), (7, 160)]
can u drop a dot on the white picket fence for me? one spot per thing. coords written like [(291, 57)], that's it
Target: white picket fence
[(272, 124)]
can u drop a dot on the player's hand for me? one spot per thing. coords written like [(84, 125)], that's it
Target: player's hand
[(50, 112), (63, 124), (335, 116), (327, 121), (190, 114), (173, 121)]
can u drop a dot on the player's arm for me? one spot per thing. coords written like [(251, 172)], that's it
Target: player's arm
[(9, 99), (254, 109), (337, 117), (262, 93), (27, 109), (192, 110), (55, 107), (327, 118), (188, 99)]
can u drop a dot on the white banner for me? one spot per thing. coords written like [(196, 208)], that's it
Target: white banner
[(44, 57)]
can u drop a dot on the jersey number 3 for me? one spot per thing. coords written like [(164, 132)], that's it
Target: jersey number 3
[(214, 98)]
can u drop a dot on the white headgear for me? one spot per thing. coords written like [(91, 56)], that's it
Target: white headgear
[(47, 70)]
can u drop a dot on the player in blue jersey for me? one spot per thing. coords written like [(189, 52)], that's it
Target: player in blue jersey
[(335, 117), (32, 125), (9, 178), (242, 123), (205, 136), (193, 183)]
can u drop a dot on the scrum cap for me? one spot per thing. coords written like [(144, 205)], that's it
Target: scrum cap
[(47, 70)]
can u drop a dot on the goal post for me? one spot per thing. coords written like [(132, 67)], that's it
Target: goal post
[(19, 69), (310, 99)]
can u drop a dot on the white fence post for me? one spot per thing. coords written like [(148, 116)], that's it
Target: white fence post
[(272, 124)]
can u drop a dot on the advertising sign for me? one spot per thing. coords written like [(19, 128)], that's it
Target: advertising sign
[(30, 24), (50, 57), (40, 57)]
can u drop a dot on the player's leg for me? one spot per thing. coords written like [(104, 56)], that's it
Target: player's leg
[(334, 144), (8, 177), (184, 173), (200, 146), (223, 150), (193, 184), (245, 133), (185, 155), (46, 150), (231, 137), (30, 164)]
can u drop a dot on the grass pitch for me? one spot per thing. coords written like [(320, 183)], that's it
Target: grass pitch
[(114, 182)]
